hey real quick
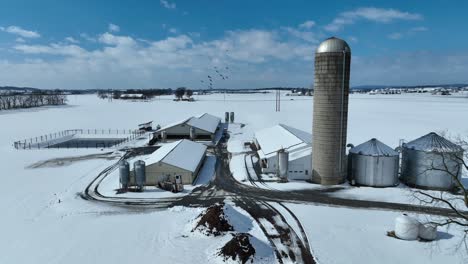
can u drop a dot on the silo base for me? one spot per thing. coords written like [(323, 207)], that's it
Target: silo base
[(327, 181)]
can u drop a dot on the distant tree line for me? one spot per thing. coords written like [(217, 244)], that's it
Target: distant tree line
[(148, 93), (35, 99)]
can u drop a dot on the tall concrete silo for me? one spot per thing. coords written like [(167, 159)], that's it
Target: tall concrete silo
[(331, 90)]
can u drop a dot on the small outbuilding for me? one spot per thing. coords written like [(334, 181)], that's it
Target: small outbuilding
[(204, 127), (431, 162), (296, 142), (373, 163), (133, 96), (183, 157)]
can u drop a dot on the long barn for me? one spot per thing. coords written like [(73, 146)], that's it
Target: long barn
[(205, 127), (183, 157)]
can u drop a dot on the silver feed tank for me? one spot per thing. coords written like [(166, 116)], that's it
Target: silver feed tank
[(140, 173), (163, 136), (431, 162), (283, 161), (232, 117), (373, 163), (124, 172), (226, 117), (192, 133)]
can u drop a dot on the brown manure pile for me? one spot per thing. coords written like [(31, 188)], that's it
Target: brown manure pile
[(213, 221), (238, 248)]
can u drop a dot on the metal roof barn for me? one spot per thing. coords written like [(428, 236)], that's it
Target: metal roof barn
[(205, 126), (298, 144), (373, 163), (183, 157), (431, 162)]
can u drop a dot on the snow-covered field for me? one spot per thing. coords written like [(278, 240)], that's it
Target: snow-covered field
[(45, 221)]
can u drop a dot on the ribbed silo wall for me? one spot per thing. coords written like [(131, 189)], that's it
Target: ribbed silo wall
[(330, 117)]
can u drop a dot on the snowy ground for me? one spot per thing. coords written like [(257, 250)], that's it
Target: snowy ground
[(43, 215)]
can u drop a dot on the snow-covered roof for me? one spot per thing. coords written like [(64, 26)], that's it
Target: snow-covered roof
[(205, 122), (282, 136), (180, 122), (184, 154), (294, 155), (373, 147), (433, 142)]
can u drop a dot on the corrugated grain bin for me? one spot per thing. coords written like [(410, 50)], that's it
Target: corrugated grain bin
[(431, 162), (373, 163)]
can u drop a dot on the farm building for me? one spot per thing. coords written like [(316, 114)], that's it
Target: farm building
[(132, 96), (204, 128), (297, 142), (183, 157)]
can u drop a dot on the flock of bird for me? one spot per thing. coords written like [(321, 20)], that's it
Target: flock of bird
[(220, 72)]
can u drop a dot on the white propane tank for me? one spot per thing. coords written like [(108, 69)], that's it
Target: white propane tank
[(406, 227), (428, 232)]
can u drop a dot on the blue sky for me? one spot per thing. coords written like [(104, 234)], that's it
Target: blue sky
[(170, 43)]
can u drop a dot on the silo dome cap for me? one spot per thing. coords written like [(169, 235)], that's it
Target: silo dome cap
[(333, 45), (432, 142), (373, 147)]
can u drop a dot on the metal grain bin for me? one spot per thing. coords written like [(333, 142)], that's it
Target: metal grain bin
[(430, 161), (373, 163), (140, 173), (124, 171)]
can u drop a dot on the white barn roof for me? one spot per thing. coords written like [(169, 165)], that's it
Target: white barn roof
[(282, 136), (184, 154), (205, 122)]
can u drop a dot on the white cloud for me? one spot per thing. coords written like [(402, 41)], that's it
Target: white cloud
[(419, 29), (113, 28), (87, 37), (353, 39), (124, 62), (52, 49), (304, 35), (409, 32), (379, 15), (20, 40), (307, 24), (114, 40), (167, 4), (173, 30), (71, 40), (21, 32), (395, 35)]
